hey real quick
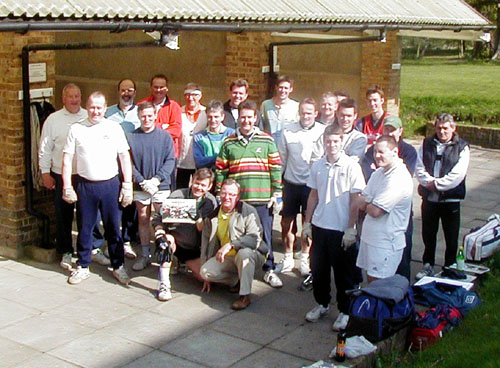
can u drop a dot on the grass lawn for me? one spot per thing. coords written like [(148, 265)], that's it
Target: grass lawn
[(475, 343), (470, 91)]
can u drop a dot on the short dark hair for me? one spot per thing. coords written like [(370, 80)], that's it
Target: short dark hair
[(239, 83), (375, 89), (159, 76), (389, 139), (145, 105), (215, 106), (342, 94), (333, 129), (126, 79), (308, 101), (348, 103), (248, 105), (284, 78), (204, 173)]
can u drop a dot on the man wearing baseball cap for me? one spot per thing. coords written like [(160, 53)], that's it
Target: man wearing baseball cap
[(394, 127)]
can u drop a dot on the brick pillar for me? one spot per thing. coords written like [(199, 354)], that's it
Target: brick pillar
[(246, 54), (18, 229), (376, 69)]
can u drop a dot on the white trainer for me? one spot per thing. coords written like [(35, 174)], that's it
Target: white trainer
[(121, 275), (304, 268), (341, 322), (129, 251), (141, 263), (78, 275), (99, 257), (164, 293), (66, 261), (426, 271), (317, 312), (272, 279), (286, 264)]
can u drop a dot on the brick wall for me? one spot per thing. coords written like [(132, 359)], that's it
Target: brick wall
[(376, 69), (246, 54), (18, 229)]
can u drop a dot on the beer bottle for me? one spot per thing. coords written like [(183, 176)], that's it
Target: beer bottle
[(460, 259), (340, 354)]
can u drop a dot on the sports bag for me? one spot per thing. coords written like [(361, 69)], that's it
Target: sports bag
[(431, 324), (482, 242), (377, 318)]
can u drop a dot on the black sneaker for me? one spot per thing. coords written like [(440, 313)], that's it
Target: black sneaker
[(307, 284)]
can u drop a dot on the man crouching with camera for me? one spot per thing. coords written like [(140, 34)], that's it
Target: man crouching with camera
[(183, 239)]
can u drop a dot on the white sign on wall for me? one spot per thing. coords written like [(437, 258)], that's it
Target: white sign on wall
[(38, 72)]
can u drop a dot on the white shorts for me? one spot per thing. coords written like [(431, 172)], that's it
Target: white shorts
[(146, 199), (378, 262)]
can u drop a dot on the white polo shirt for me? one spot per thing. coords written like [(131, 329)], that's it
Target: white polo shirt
[(295, 147), (335, 183), (53, 138), (96, 148), (392, 191)]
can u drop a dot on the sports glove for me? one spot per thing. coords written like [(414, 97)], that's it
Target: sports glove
[(349, 238), (307, 230), (126, 196), (69, 195), (276, 203)]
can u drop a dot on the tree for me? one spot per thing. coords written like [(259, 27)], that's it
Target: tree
[(491, 10)]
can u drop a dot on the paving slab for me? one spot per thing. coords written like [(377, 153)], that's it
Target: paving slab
[(12, 353), (270, 358), (162, 359), (211, 348), (44, 361), (100, 350)]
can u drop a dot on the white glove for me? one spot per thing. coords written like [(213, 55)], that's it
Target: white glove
[(276, 203), (307, 230), (69, 195), (349, 238), (150, 186), (126, 195), (159, 233)]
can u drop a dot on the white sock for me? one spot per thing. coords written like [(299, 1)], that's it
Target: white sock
[(164, 275), (304, 255), (288, 255)]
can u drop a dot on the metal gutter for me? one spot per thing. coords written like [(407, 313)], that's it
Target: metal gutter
[(271, 52), (27, 113), (122, 26)]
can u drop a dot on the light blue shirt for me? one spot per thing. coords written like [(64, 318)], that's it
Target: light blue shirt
[(129, 121)]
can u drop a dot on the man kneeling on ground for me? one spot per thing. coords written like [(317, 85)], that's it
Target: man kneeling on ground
[(232, 237), (184, 239)]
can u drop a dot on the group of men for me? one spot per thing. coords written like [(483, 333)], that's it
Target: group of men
[(349, 179)]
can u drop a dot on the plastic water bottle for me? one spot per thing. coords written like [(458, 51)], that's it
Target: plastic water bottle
[(460, 259)]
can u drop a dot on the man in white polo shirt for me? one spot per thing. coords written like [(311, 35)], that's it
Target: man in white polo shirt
[(387, 202), (53, 137), (336, 181), (96, 143)]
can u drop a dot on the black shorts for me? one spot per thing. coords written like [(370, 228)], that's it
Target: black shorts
[(184, 254), (294, 199)]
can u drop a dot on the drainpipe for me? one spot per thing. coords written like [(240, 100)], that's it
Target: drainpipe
[(273, 75), (27, 112)]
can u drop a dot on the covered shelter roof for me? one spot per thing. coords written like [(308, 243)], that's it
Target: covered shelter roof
[(242, 15)]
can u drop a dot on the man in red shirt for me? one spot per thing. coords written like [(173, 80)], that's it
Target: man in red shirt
[(371, 125), (168, 111)]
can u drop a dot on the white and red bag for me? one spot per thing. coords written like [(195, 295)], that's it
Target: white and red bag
[(482, 242)]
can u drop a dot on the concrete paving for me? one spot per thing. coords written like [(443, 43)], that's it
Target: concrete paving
[(45, 322)]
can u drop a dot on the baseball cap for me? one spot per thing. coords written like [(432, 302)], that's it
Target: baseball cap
[(393, 121)]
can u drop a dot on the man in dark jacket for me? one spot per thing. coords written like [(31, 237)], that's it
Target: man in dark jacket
[(442, 164)]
